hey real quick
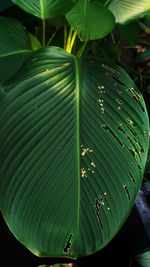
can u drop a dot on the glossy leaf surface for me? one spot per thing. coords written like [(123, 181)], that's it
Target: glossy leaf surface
[(91, 20), (45, 9), (127, 10), (73, 146), (14, 47)]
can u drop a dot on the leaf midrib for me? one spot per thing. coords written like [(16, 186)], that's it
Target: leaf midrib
[(85, 14), (42, 9), (16, 53), (78, 139)]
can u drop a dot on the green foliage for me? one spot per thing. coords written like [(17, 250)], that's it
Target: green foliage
[(14, 47), (90, 20), (45, 9), (130, 33), (105, 50), (148, 15), (74, 130), (73, 150), (143, 259), (127, 10), (35, 43)]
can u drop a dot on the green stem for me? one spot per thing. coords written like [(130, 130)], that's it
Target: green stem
[(52, 37), (24, 51), (114, 43), (106, 3), (69, 39), (65, 35), (71, 42), (81, 50), (43, 30), (113, 38), (144, 27)]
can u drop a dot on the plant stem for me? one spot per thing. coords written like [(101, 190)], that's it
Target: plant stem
[(113, 38), (51, 38), (106, 2), (43, 31), (69, 39), (65, 35), (114, 43), (81, 50), (71, 42), (144, 27)]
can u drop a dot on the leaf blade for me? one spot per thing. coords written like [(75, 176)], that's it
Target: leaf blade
[(126, 10), (13, 55), (91, 20), (44, 200), (45, 9)]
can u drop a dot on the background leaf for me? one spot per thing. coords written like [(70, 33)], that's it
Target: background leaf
[(45, 9), (142, 56), (130, 33), (35, 43), (4, 4), (105, 49), (73, 146), (127, 10), (143, 259), (14, 47), (91, 20)]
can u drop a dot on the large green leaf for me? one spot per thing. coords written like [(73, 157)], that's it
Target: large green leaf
[(45, 9), (127, 10), (73, 146), (14, 47), (91, 20)]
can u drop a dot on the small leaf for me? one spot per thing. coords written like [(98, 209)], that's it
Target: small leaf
[(45, 9), (14, 47), (91, 20), (127, 10), (35, 43)]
